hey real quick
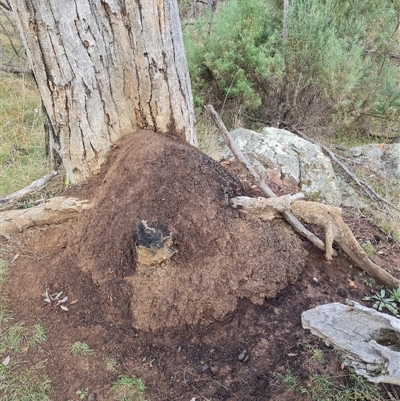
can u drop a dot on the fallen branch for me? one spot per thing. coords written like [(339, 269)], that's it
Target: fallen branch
[(15, 70), (362, 184), (53, 211), (41, 182), (297, 226), (327, 217)]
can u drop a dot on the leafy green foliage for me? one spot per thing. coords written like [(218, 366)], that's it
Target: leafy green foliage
[(340, 52), (395, 294), (335, 70), (232, 52), (382, 301)]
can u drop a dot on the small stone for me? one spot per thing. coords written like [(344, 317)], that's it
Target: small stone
[(242, 355), (204, 368), (92, 397)]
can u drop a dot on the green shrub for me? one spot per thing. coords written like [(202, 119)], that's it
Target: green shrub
[(335, 71), (233, 52), (339, 55)]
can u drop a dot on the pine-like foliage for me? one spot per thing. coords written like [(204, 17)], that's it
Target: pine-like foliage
[(233, 52), (337, 70)]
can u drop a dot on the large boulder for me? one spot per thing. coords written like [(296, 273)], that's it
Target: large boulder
[(279, 155)]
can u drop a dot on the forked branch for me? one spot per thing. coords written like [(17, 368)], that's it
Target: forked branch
[(288, 216)]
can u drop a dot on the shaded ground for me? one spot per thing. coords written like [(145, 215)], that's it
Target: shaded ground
[(204, 308)]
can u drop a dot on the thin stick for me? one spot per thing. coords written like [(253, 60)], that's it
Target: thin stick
[(298, 227), (15, 70), (27, 190)]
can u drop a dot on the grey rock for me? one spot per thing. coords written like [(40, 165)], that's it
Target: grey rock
[(383, 159), (349, 196), (279, 154), (368, 339), (243, 355), (92, 397)]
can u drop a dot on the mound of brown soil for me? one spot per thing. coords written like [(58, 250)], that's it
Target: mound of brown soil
[(224, 260), (221, 256)]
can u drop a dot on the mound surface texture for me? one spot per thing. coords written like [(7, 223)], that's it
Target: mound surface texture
[(222, 255)]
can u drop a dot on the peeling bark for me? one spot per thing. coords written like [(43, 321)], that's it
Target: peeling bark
[(104, 69)]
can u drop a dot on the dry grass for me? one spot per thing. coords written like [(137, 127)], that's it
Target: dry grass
[(22, 148)]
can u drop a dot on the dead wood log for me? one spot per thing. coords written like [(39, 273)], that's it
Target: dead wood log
[(265, 208), (36, 185), (53, 211), (368, 339), (297, 226)]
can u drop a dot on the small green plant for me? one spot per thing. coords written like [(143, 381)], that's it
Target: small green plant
[(82, 394), (369, 282), (368, 248), (111, 364), (317, 355), (54, 300), (382, 301), (79, 348), (129, 389), (288, 379), (38, 336), (395, 294)]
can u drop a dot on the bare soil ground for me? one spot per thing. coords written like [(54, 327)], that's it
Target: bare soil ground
[(235, 284)]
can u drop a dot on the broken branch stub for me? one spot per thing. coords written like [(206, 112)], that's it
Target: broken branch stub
[(369, 340)]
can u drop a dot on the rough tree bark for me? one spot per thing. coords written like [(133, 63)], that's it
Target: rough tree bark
[(105, 68)]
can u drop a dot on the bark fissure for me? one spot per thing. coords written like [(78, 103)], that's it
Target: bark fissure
[(139, 8), (152, 66)]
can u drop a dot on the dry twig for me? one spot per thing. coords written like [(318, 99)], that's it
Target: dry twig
[(41, 182)]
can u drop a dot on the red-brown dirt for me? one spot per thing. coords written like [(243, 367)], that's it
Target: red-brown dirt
[(235, 283)]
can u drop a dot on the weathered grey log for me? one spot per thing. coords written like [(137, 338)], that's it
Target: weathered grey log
[(369, 340), (53, 211)]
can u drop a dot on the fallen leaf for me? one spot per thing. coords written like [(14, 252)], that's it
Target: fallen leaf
[(352, 283), (7, 360)]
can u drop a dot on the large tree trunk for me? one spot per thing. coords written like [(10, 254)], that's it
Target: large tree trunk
[(105, 68)]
